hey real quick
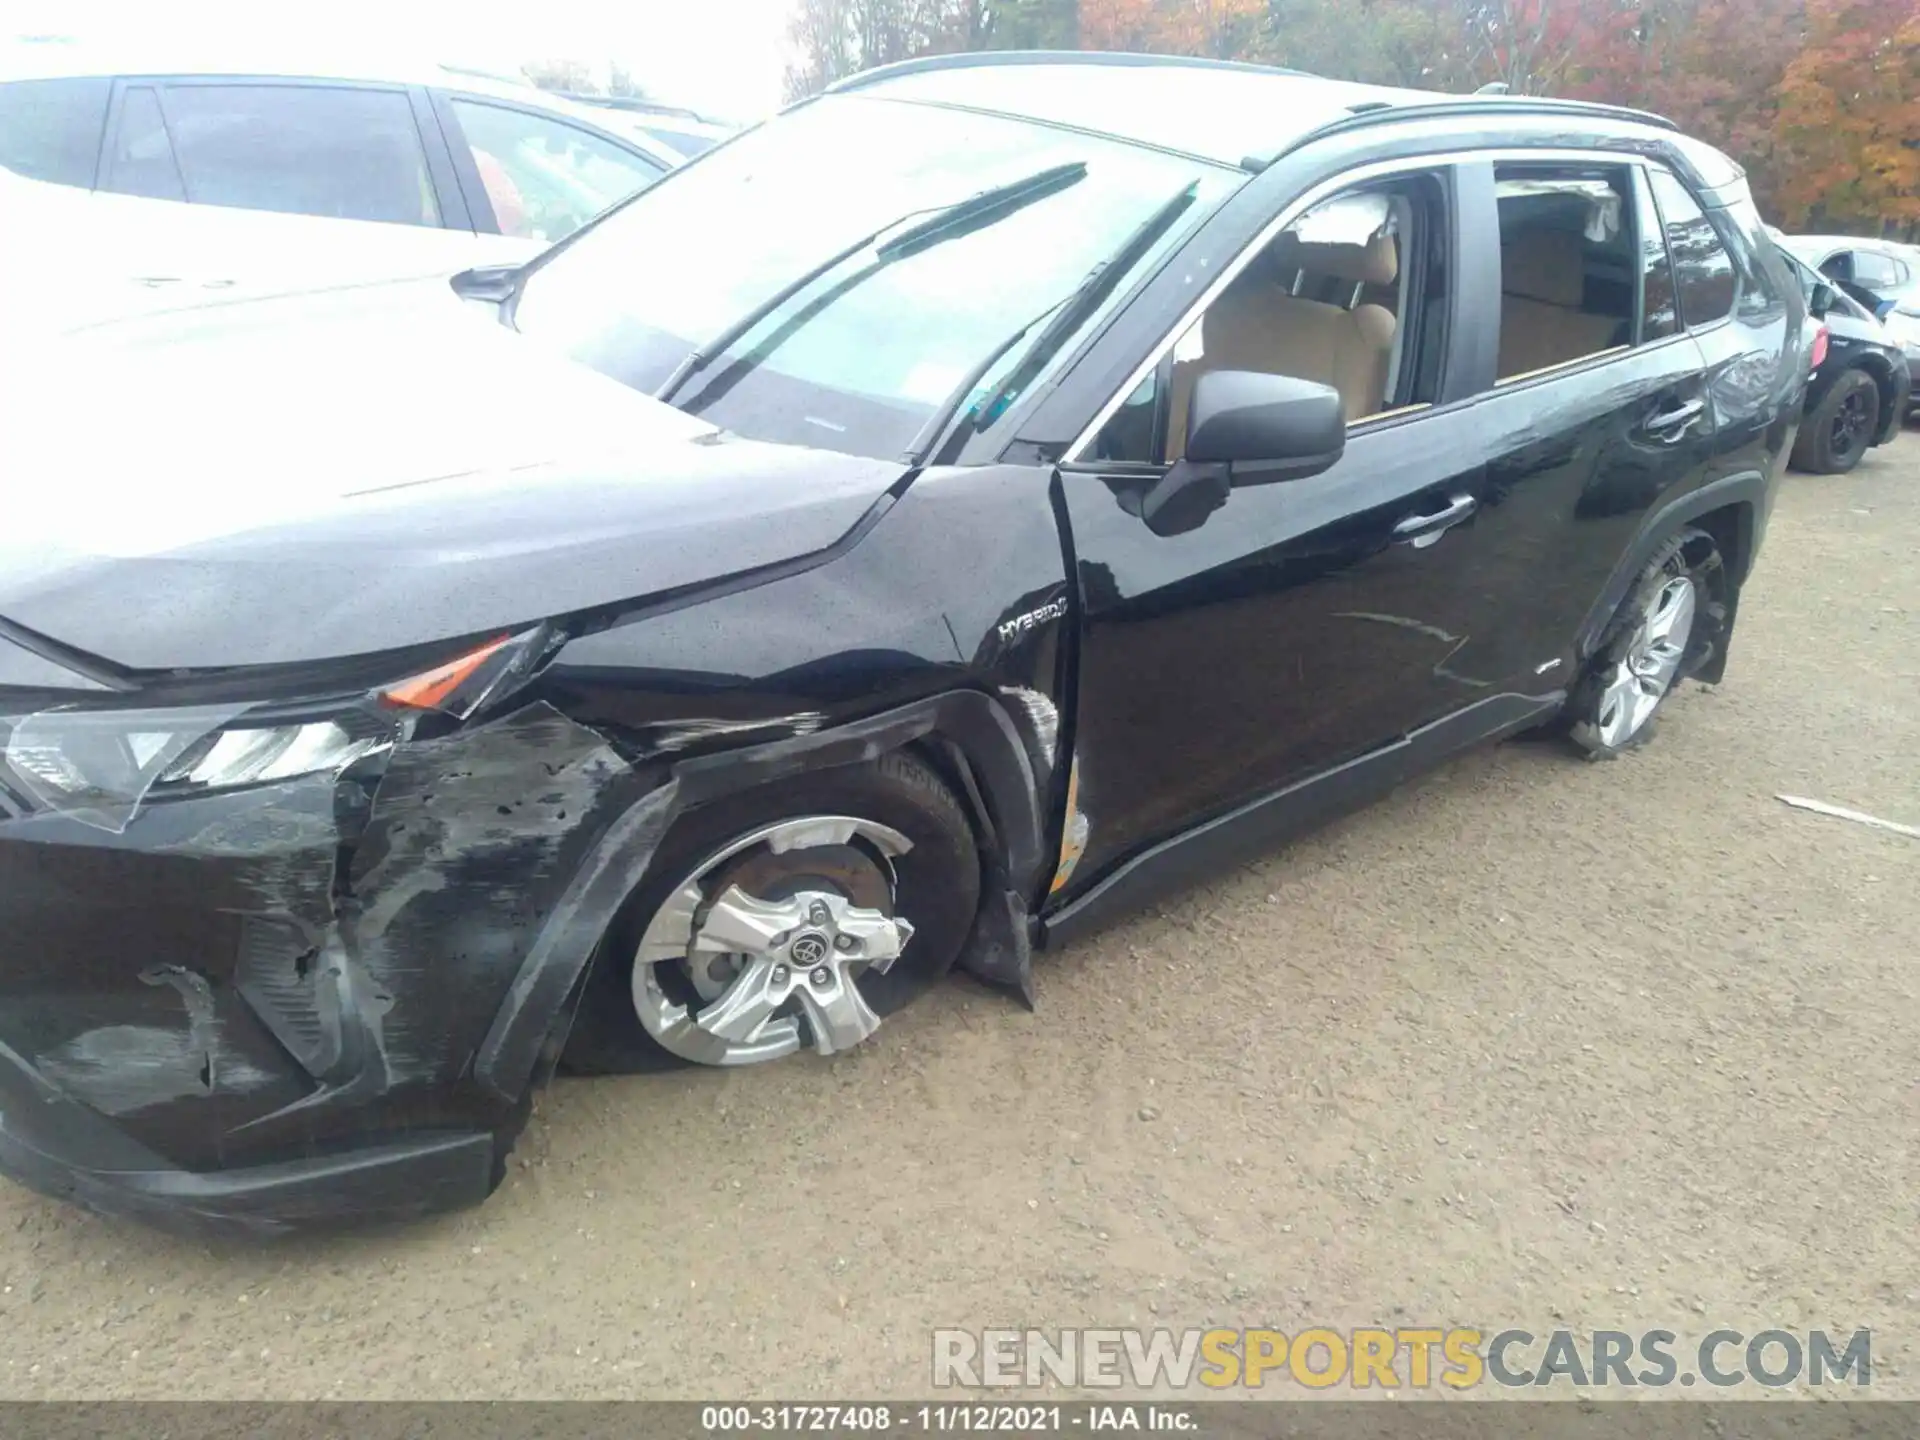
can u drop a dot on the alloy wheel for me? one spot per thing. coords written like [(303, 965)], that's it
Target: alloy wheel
[(761, 948), (1850, 426), (1651, 663)]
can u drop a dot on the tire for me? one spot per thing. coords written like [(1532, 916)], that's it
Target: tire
[(1597, 724), (1841, 428), (935, 888)]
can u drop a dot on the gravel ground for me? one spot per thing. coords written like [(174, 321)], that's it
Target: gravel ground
[(1535, 1043)]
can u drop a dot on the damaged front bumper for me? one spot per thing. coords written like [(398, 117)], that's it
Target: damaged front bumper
[(319, 1001)]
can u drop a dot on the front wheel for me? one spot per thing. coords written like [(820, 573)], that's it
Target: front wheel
[(1841, 427), (793, 917), (1673, 617)]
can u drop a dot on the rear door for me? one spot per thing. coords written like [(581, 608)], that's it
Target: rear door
[(1594, 409), (1733, 301)]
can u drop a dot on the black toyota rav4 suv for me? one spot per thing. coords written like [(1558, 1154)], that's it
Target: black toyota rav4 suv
[(992, 493)]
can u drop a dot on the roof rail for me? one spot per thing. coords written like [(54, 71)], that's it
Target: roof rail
[(1444, 108), (988, 59), (631, 104)]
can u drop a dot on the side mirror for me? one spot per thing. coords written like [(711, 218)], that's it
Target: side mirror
[(1265, 427), (1821, 302), (1245, 427)]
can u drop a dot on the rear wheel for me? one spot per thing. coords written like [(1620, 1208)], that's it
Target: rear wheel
[(795, 916), (1665, 629), (1841, 427)]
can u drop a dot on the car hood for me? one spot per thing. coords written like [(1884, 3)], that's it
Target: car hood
[(367, 467)]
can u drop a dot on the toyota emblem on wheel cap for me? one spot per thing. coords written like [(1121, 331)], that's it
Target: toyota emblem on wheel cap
[(809, 949)]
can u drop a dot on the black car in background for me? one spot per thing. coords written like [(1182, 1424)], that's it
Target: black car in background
[(1862, 388), (1881, 276), (986, 497)]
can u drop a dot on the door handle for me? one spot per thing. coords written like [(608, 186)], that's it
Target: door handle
[(1664, 422), (1421, 531)]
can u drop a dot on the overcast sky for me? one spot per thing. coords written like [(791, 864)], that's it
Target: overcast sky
[(724, 56)]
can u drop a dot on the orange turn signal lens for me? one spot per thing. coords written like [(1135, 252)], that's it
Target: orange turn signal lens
[(430, 688)]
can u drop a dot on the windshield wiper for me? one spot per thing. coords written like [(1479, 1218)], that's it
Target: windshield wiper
[(949, 222), (1068, 314)]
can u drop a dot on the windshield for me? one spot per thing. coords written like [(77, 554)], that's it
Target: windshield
[(861, 358)]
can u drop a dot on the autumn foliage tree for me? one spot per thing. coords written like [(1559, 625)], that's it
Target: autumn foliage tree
[(1850, 114), (1818, 99)]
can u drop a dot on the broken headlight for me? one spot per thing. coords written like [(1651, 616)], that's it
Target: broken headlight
[(98, 765)]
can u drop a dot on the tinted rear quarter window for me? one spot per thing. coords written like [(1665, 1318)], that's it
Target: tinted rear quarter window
[(345, 153), (1702, 269), (50, 129)]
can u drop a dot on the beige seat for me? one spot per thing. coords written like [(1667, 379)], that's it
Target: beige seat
[(1257, 324), (1543, 286)]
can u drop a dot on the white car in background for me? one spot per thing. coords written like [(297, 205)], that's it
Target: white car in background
[(506, 168), (95, 258)]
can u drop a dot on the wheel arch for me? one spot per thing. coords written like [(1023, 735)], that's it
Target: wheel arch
[(978, 744), (1733, 511), (965, 735)]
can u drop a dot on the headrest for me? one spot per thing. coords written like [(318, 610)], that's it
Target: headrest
[(1548, 265), (1375, 263)]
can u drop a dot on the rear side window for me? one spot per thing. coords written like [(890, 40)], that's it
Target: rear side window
[(349, 154), (50, 129), (1569, 268), (1702, 269)]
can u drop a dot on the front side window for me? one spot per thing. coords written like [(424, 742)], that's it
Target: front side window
[(350, 154), (1571, 273), (50, 129), (869, 324), (543, 178), (1351, 295), (1702, 269)]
